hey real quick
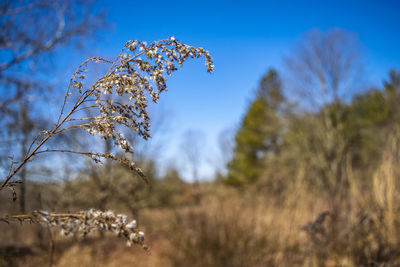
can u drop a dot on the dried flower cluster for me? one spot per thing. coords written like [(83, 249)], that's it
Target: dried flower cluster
[(118, 99), (86, 222), (121, 96)]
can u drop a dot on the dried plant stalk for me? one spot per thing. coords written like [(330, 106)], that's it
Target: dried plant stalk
[(119, 98), (84, 223), (116, 100)]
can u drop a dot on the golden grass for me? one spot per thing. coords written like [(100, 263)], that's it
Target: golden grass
[(255, 228)]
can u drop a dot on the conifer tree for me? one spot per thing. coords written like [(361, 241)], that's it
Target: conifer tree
[(258, 135)]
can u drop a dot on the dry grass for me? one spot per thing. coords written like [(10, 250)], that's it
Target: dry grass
[(236, 228)]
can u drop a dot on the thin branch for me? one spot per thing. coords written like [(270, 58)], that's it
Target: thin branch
[(81, 119), (34, 216), (64, 151), (52, 246), (87, 107), (72, 127), (34, 141), (67, 94)]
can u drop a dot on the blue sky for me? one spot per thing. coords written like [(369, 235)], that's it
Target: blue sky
[(245, 38)]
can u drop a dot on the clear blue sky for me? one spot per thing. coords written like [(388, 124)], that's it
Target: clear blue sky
[(245, 38)]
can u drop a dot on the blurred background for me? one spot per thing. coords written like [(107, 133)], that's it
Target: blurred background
[(286, 155)]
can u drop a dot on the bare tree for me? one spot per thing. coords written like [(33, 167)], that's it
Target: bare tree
[(323, 70), (192, 145), (32, 31), (32, 28), (225, 147), (325, 67)]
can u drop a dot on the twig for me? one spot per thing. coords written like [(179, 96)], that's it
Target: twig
[(52, 247)]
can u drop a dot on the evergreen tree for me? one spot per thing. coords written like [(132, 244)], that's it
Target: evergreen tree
[(258, 135)]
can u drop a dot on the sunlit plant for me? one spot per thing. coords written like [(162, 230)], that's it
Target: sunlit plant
[(117, 100)]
